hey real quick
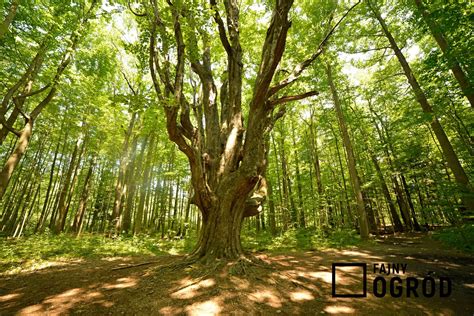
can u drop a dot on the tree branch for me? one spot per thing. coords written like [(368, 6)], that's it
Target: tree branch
[(221, 28), (290, 98), (34, 92), (303, 65), (135, 13), (8, 127)]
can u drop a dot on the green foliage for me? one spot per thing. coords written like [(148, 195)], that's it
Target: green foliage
[(301, 239), (457, 237), (37, 251)]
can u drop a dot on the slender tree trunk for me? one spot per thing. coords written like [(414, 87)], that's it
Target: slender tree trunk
[(363, 223), (63, 194), (138, 221), (287, 192), (42, 217), (301, 215), (448, 151), (344, 183), (317, 167), (416, 226), (119, 187), (453, 63), (79, 217), (132, 172), (393, 213), (271, 209)]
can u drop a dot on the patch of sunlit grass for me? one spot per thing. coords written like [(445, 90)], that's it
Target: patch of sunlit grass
[(40, 251), (301, 239)]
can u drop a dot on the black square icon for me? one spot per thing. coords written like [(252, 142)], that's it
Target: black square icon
[(364, 279)]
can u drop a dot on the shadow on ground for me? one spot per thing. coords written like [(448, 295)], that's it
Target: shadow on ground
[(290, 283)]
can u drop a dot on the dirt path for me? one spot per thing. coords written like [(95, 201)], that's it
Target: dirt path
[(295, 283)]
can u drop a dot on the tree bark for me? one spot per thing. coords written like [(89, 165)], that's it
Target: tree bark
[(79, 217), (138, 221), (467, 194), (15, 157), (363, 223), (63, 194), (119, 187), (395, 218)]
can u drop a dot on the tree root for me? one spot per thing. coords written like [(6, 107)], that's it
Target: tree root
[(205, 266), (134, 265)]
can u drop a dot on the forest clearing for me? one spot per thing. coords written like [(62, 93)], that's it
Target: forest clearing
[(209, 157)]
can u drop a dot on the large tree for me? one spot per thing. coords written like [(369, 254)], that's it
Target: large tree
[(226, 154)]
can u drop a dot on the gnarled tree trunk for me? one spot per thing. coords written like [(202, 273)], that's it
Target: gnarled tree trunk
[(227, 158)]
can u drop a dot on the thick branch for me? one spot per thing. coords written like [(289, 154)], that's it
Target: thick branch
[(221, 28), (290, 98), (305, 64)]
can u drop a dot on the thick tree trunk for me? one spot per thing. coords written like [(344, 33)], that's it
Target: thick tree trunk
[(363, 223), (15, 157), (220, 232)]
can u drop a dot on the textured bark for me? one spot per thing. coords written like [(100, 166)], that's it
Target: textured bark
[(227, 158), (363, 223), (448, 151), (226, 167)]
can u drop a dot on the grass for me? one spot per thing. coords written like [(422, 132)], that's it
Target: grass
[(38, 251), (300, 239), (461, 238), (30, 253)]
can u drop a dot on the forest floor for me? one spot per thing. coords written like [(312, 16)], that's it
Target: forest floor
[(298, 282)]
